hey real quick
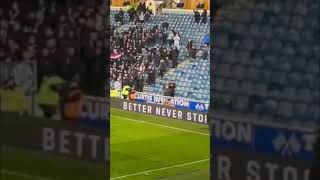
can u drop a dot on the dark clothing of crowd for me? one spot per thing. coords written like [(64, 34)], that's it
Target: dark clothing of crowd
[(62, 38), (141, 14), (203, 17), (169, 89), (143, 58)]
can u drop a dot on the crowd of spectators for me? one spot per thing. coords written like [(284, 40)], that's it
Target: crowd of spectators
[(139, 55), (63, 38), (139, 14)]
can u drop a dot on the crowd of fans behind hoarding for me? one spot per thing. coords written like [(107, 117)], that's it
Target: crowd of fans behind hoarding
[(140, 55), (64, 38)]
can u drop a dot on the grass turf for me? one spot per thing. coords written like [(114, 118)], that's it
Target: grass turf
[(18, 164), (137, 147)]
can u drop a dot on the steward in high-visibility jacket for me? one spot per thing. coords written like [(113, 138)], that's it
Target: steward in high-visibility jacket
[(114, 93), (125, 92), (12, 99), (48, 96)]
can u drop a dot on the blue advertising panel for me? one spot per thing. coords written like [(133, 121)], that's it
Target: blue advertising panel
[(263, 139), (179, 103)]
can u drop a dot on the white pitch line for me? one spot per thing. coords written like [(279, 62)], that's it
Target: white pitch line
[(160, 169), (160, 125), (28, 176)]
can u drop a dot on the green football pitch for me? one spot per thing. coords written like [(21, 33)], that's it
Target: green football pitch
[(18, 164), (147, 147), (143, 147)]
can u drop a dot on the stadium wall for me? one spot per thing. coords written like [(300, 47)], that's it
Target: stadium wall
[(84, 137), (63, 138)]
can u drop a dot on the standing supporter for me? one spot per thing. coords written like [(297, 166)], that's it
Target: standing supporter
[(118, 84), (151, 75), (22, 72), (204, 17), (172, 87), (174, 53), (170, 38), (162, 67), (165, 25), (205, 50), (197, 16), (141, 16), (126, 3), (193, 52), (121, 15), (176, 40), (131, 11), (189, 47)]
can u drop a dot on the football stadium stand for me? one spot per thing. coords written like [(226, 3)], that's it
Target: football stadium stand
[(191, 75), (267, 62)]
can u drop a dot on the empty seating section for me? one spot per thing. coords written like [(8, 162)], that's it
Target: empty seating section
[(191, 76), (267, 60), (182, 23), (192, 80)]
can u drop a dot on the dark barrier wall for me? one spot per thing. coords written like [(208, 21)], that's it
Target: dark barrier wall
[(68, 139), (245, 150), (160, 110), (236, 165)]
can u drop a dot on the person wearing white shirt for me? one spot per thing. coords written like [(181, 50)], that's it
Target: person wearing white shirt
[(118, 84), (170, 38), (176, 40)]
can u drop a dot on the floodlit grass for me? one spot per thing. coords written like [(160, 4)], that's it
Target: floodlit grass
[(148, 147), (18, 164), (143, 147)]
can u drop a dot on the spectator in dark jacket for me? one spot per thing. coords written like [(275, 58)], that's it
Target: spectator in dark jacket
[(197, 16), (204, 17), (162, 67)]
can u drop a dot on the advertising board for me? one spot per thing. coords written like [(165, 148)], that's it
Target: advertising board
[(179, 103), (246, 150), (160, 110), (55, 137), (91, 111)]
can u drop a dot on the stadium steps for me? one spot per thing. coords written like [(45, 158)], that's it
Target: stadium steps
[(267, 61), (191, 78)]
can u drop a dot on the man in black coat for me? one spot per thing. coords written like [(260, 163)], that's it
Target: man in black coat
[(121, 15), (204, 16), (162, 67), (197, 16)]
